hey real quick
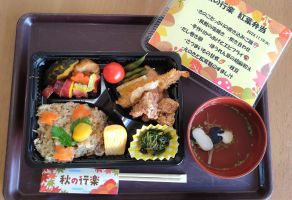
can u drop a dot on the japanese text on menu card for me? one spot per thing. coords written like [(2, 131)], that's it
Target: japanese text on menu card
[(227, 42)]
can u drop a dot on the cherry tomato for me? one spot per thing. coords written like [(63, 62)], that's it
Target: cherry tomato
[(113, 72)]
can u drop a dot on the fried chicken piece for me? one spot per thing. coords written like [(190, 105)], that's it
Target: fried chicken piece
[(171, 77), (131, 93), (168, 105), (166, 119), (153, 106), (167, 108), (147, 105), (145, 118)]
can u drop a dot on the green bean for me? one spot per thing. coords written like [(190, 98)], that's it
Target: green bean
[(136, 63), (135, 71), (135, 76)]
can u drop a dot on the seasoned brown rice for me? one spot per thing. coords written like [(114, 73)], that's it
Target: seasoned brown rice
[(93, 145)]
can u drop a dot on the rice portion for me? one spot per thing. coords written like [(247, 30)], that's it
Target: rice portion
[(93, 145)]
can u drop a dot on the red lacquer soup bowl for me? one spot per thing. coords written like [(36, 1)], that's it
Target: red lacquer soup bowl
[(247, 148)]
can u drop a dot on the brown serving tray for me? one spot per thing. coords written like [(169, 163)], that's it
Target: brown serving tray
[(50, 32)]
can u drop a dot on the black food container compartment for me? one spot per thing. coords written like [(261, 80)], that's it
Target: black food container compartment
[(105, 101)]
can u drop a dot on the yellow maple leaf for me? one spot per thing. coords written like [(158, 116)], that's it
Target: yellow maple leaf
[(186, 61), (162, 31)]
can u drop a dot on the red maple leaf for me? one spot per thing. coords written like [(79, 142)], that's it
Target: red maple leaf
[(45, 177), (260, 80), (43, 188), (286, 33), (109, 187), (56, 189)]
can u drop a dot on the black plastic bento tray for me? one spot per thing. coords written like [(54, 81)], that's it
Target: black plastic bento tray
[(92, 33), (104, 100)]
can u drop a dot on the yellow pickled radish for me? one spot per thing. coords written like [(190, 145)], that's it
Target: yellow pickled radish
[(81, 132), (115, 139)]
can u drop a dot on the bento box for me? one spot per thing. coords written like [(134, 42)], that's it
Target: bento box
[(104, 99)]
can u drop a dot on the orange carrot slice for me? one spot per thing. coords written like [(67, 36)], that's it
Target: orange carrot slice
[(81, 111), (64, 154), (48, 118), (80, 78)]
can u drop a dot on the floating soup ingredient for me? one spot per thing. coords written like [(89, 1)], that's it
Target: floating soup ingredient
[(78, 126), (227, 137), (203, 140), (210, 156), (214, 134), (115, 139)]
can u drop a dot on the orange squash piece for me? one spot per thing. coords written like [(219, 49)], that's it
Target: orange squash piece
[(48, 118), (79, 77), (64, 154), (81, 111)]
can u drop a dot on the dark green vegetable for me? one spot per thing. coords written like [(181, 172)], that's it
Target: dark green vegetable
[(154, 141), (131, 66), (62, 136), (135, 71), (85, 120), (60, 70), (142, 73)]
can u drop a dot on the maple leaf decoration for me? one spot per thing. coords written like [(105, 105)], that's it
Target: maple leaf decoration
[(45, 177), (196, 65), (260, 80), (50, 183), (60, 170), (43, 188), (55, 189), (109, 187)]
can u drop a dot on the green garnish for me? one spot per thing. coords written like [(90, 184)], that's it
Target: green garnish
[(154, 141), (62, 136), (131, 66), (85, 120)]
